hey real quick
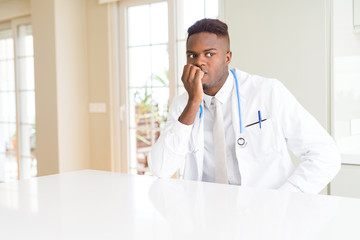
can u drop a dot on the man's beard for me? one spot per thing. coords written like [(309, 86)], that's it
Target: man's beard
[(205, 87)]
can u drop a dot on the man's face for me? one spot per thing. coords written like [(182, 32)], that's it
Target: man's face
[(210, 53)]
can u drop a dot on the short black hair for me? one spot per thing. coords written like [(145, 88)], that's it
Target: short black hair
[(210, 26)]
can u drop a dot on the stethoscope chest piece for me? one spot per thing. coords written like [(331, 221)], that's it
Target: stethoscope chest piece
[(242, 141)]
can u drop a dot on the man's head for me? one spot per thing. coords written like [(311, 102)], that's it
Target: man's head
[(208, 47), (208, 25)]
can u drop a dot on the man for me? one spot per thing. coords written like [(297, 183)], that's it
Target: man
[(233, 127)]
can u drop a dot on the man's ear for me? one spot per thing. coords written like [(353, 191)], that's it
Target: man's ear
[(228, 57)]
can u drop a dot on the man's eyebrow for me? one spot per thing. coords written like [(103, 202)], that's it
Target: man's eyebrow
[(206, 50), (210, 49)]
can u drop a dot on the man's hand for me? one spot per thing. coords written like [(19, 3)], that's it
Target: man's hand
[(191, 78)]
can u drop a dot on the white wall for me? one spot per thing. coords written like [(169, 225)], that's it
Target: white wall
[(71, 70), (347, 182), (99, 83), (43, 23), (72, 84), (61, 85), (287, 40)]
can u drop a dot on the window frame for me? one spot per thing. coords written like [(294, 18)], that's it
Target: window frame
[(13, 25), (121, 93)]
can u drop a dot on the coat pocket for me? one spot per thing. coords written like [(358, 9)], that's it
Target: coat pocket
[(262, 142)]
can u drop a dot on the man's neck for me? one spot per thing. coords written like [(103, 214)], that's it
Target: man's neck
[(212, 91)]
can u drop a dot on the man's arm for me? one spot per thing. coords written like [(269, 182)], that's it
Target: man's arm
[(308, 140), (191, 78), (169, 152)]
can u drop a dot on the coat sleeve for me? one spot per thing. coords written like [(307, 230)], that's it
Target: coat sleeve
[(308, 140), (168, 154)]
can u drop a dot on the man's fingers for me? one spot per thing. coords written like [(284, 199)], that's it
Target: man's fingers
[(191, 75), (199, 75), (184, 77), (193, 70)]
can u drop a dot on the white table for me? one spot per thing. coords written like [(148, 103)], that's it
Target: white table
[(102, 205)]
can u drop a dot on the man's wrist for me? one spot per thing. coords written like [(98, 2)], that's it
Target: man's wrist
[(193, 102), (188, 115)]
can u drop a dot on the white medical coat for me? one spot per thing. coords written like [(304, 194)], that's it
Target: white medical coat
[(265, 161)]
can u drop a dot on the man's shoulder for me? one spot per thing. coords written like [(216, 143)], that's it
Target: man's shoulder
[(256, 83), (255, 80)]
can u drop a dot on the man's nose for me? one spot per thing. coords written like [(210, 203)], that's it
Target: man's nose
[(200, 61)]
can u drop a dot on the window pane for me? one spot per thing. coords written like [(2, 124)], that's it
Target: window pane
[(27, 107), (7, 107), (7, 137), (2, 167), (211, 8), (133, 99), (28, 140), (160, 102), (8, 145), (26, 73), (8, 167), (181, 60), (6, 44), (7, 80), (143, 140), (143, 146), (139, 66), (190, 11), (159, 23), (25, 41), (140, 145), (26, 104), (140, 107), (346, 104), (143, 108), (27, 151), (132, 150), (28, 167), (156, 135), (180, 90), (147, 76), (139, 25), (160, 65)]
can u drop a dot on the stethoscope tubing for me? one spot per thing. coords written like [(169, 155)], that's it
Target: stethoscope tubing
[(241, 141), (238, 99)]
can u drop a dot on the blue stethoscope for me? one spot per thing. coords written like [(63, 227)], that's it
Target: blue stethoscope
[(241, 141)]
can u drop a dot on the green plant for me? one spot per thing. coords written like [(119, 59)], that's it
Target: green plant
[(144, 107)]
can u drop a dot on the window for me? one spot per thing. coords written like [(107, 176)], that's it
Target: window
[(17, 101), (153, 57), (147, 78), (346, 85), (188, 12)]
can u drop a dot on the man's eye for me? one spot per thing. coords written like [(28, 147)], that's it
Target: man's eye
[(191, 56), (209, 54)]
